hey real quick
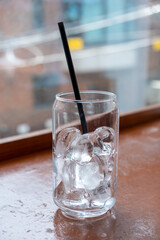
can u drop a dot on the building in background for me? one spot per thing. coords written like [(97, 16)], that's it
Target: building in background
[(114, 47)]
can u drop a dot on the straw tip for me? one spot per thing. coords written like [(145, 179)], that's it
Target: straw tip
[(60, 23)]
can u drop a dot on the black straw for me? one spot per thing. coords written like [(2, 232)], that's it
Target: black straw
[(73, 76)]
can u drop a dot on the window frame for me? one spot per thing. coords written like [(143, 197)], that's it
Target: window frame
[(16, 146)]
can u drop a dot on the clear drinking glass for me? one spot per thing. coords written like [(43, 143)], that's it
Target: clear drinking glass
[(85, 165)]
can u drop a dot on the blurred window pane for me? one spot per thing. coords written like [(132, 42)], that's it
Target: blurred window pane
[(72, 11), (38, 14), (115, 47), (45, 88)]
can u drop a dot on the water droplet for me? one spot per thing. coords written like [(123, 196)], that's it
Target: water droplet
[(103, 235)]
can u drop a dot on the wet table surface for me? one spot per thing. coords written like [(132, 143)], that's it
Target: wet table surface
[(27, 210)]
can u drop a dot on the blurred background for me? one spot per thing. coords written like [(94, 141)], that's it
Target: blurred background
[(115, 47)]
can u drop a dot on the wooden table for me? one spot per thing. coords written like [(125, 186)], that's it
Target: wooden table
[(27, 210)]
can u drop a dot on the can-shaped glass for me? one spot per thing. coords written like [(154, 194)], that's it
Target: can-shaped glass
[(85, 164)]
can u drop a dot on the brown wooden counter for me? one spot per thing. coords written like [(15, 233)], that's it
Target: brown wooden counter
[(27, 210)]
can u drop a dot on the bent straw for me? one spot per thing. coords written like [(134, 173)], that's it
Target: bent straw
[(73, 76)]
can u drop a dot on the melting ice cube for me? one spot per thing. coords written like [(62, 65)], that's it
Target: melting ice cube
[(105, 139), (100, 196), (106, 134), (64, 140), (82, 149), (71, 176), (91, 175), (88, 159), (67, 176), (87, 176)]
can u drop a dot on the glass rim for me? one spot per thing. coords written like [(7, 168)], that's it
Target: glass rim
[(59, 97)]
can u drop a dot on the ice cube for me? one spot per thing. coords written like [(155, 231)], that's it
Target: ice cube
[(106, 134), (93, 137), (77, 177), (59, 162), (87, 176), (103, 162), (101, 195), (110, 164), (82, 149), (67, 176), (91, 174), (64, 140), (105, 139), (71, 176), (100, 147), (108, 179)]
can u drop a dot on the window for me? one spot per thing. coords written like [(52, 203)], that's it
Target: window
[(38, 14), (72, 11), (45, 88), (120, 53)]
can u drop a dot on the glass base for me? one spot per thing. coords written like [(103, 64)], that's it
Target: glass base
[(87, 213)]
